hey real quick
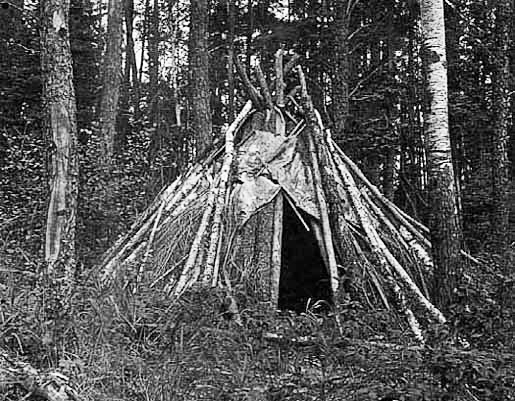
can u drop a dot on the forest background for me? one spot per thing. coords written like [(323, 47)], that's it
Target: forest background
[(139, 126)]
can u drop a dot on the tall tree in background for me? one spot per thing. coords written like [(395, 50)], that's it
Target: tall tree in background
[(130, 75), (200, 112), (111, 81), (153, 60), (443, 219), (501, 104), (61, 127), (341, 67), (511, 146), (85, 54), (231, 25)]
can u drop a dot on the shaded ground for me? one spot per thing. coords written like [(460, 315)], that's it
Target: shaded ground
[(118, 346)]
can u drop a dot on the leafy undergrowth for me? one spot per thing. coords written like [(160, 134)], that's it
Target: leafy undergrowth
[(121, 346)]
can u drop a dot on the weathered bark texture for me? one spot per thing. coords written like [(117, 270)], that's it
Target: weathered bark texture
[(500, 166), (111, 81), (61, 130), (231, 22), (131, 66), (443, 219), (277, 245), (153, 57), (511, 145), (200, 122), (11, 27), (341, 69), (130, 74)]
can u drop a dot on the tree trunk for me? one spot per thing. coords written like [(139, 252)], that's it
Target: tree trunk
[(389, 173), (131, 72), (201, 126), (389, 170), (231, 22), (111, 81), (85, 58), (129, 67), (153, 59), (499, 219), (61, 128), (250, 32), (11, 67), (341, 70), (511, 145), (443, 219)]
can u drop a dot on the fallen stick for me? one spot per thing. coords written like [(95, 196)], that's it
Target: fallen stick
[(305, 341), (51, 386)]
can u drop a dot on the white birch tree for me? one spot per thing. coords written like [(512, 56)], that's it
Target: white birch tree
[(443, 217)]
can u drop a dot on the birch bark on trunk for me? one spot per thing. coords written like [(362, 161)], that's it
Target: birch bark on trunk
[(201, 126), (61, 129), (443, 219)]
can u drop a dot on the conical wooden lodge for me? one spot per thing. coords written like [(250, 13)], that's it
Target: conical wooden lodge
[(279, 199)]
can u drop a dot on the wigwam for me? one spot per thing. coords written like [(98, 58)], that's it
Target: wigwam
[(280, 199)]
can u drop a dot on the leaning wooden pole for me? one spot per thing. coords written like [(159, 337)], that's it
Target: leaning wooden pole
[(381, 250), (224, 188), (321, 200), (176, 289), (378, 249), (277, 243), (324, 217)]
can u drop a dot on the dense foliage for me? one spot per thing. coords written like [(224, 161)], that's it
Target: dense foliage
[(139, 347)]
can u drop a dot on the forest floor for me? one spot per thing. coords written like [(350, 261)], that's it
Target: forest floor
[(119, 346)]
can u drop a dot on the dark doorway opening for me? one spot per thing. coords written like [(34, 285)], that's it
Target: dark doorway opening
[(304, 277)]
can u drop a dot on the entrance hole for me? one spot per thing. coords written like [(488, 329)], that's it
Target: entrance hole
[(304, 277)]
